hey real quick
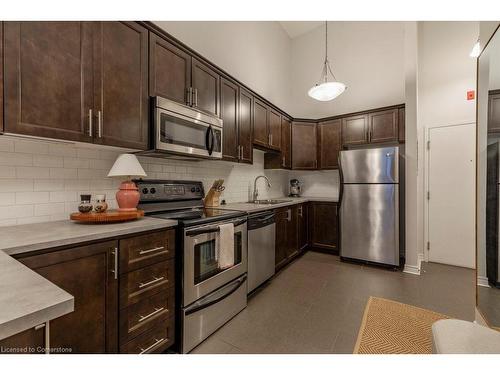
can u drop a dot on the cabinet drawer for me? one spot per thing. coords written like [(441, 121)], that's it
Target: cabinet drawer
[(146, 282), (140, 251), (143, 315), (156, 340)]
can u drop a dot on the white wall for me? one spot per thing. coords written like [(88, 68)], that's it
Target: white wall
[(367, 56), (42, 181), (256, 53)]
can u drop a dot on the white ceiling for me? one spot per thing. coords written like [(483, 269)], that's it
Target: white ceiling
[(298, 28)]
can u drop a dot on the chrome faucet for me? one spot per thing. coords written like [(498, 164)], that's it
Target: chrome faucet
[(255, 190)]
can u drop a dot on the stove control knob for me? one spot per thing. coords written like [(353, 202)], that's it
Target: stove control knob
[(144, 190), (152, 191), (192, 190), (198, 190)]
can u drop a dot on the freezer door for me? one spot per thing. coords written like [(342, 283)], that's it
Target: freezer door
[(370, 223), (375, 165)]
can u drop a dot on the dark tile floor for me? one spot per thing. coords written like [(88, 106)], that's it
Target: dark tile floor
[(489, 304), (316, 304)]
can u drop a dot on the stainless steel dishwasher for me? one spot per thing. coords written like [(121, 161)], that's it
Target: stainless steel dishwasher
[(261, 248)]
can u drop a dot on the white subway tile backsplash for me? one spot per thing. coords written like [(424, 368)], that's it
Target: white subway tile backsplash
[(62, 150), (6, 144), (64, 173), (7, 171), (31, 146), (32, 197), (48, 209), (76, 163), (32, 172), (16, 211), (15, 159), (16, 184), (87, 153), (48, 161), (49, 185), (7, 199)]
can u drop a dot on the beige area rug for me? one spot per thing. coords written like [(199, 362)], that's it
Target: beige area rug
[(391, 327)]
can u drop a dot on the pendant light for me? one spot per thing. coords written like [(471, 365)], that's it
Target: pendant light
[(326, 90), (476, 49)]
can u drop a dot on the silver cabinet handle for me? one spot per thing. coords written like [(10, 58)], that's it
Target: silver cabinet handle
[(40, 326), (151, 250), (156, 311), (271, 139), (283, 162), (189, 98), (241, 147), (154, 281), (99, 124), (115, 266), (195, 97), (300, 211), (156, 343), (90, 122), (289, 215)]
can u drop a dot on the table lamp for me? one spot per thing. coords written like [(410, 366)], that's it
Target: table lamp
[(127, 165)]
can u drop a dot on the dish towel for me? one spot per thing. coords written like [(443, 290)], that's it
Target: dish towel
[(226, 245)]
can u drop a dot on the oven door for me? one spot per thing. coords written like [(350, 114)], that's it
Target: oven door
[(182, 130), (202, 274)]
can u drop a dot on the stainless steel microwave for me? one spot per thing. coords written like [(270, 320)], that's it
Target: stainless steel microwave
[(184, 131)]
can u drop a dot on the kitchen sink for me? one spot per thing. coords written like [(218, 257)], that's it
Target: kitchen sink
[(270, 201)]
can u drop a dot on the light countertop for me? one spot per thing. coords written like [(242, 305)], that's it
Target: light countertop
[(26, 298), (252, 207)]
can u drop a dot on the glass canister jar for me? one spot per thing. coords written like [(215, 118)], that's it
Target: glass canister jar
[(85, 205), (100, 205)]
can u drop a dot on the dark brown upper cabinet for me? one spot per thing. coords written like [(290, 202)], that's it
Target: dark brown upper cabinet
[(79, 81), (86, 273), (169, 70), (205, 83), (286, 143), (121, 84), (48, 79), (494, 111), (274, 130), (245, 129), (304, 145), (329, 144), (401, 125), (229, 114), (355, 130), (383, 126), (260, 124)]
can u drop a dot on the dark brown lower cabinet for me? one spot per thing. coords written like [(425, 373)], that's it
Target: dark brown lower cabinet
[(31, 341), (287, 234), (302, 225), (323, 226), (87, 273)]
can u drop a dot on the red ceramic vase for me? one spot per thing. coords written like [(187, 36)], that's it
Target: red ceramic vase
[(128, 196)]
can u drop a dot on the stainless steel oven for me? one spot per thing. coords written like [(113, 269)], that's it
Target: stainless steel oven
[(182, 130), (201, 272)]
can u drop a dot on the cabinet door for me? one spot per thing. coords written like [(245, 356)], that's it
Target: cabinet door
[(229, 114), (286, 143), (1, 77), (292, 231), (169, 70), (302, 212), (304, 145), (494, 113), (401, 125), (274, 130), (48, 79), (260, 124), (31, 341), (206, 83), (121, 84), (355, 130), (323, 224), (281, 218), (246, 126), (329, 144), (383, 126), (87, 273)]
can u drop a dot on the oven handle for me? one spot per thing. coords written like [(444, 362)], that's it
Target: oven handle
[(212, 229), (216, 297), (210, 140)]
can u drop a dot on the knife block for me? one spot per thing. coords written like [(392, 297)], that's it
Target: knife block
[(212, 198)]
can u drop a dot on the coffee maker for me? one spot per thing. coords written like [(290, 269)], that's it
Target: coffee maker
[(294, 188)]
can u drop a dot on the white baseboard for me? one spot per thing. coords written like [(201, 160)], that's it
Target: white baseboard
[(414, 270), (483, 281)]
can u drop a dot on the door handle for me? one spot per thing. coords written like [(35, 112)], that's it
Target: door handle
[(156, 343), (151, 250), (156, 311), (195, 97), (154, 281), (115, 265), (99, 124), (189, 98), (90, 122)]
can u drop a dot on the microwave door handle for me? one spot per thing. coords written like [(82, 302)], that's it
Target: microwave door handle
[(208, 140), (212, 143)]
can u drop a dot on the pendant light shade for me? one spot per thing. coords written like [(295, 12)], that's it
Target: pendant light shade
[(326, 90), (476, 49)]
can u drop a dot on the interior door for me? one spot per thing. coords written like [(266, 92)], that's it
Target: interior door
[(206, 83), (451, 204), (246, 126), (169, 70), (121, 84), (370, 222), (48, 79), (230, 118)]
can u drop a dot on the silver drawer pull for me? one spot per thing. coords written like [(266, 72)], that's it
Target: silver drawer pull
[(155, 280), (151, 250), (157, 342), (157, 310)]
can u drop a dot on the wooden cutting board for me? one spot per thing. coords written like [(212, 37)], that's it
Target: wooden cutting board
[(112, 216)]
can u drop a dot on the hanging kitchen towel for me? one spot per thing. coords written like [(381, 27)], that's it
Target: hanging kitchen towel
[(226, 245)]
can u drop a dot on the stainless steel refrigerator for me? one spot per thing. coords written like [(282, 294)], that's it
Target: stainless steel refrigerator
[(370, 204)]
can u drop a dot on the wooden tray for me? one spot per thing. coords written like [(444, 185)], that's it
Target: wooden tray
[(112, 216)]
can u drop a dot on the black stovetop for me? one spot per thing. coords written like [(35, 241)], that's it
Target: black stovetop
[(198, 215)]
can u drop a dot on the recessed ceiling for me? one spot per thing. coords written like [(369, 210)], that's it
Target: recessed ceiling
[(298, 28)]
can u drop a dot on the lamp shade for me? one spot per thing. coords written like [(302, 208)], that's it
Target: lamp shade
[(326, 91), (126, 165)]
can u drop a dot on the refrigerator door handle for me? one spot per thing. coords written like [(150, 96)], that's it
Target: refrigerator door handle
[(341, 181)]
